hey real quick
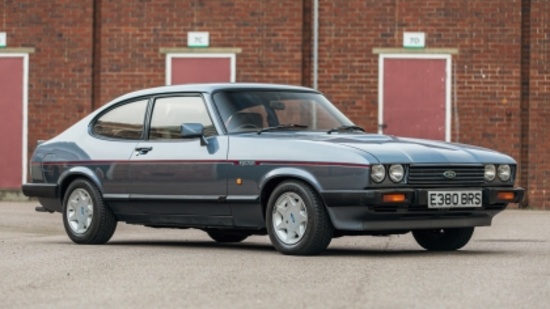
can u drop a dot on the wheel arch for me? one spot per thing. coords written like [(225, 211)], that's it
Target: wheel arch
[(271, 180), (77, 172)]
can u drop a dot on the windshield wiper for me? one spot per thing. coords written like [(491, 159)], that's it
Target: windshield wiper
[(282, 127), (346, 128)]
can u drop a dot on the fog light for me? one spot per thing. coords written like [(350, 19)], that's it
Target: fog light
[(394, 198), (506, 196)]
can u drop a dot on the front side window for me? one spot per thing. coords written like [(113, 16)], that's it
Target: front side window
[(243, 111), (171, 112), (122, 122)]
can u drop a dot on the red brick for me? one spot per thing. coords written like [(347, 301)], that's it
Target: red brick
[(73, 72)]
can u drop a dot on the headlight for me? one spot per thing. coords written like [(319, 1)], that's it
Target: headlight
[(378, 173), (490, 172), (396, 172), (504, 172)]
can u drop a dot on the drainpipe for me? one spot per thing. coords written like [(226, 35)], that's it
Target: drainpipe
[(96, 55), (315, 42)]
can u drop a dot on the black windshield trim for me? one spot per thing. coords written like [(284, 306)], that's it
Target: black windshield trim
[(346, 128), (283, 127)]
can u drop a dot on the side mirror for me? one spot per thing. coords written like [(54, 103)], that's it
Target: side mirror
[(192, 130)]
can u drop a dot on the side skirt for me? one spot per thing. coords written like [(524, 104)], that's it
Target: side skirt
[(188, 211)]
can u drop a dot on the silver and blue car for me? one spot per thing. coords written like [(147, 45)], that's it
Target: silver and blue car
[(236, 160)]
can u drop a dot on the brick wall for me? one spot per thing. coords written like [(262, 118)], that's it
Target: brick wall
[(269, 33), (538, 134), (487, 68), (60, 67), (87, 53)]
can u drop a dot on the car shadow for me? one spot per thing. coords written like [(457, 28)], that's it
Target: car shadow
[(194, 244), (333, 251), (513, 240), (399, 253)]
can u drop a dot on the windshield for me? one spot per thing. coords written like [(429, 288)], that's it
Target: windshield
[(243, 111)]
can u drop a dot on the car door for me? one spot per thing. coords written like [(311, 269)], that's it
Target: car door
[(115, 134), (176, 176)]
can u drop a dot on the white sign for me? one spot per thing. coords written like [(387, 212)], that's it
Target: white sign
[(3, 39), (198, 39), (414, 39)]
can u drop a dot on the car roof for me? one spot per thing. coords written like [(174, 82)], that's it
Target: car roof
[(212, 87)]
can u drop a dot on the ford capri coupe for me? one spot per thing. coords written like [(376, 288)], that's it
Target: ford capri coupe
[(236, 160)]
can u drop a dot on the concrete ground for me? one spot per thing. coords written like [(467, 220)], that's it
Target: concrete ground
[(504, 266)]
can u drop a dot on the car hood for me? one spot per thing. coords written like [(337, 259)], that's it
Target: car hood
[(390, 149)]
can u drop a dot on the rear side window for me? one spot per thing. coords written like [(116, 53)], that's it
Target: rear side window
[(122, 122), (170, 113)]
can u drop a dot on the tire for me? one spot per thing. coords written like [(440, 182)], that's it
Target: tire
[(86, 218), (443, 239), (226, 236), (297, 221)]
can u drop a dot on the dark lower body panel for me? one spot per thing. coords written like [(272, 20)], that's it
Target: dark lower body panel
[(365, 211), (185, 212), (363, 219), (47, 194), (351, 211)]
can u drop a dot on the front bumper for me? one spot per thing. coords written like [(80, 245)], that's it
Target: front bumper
[(366, 210)]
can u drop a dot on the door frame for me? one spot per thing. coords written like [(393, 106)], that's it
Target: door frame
[(25, 107), (169, 56), (448, 74)]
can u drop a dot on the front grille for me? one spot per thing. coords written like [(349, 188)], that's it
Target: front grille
[(433, 176)]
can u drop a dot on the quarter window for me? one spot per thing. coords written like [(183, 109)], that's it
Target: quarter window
[(122, 122), (170, 113)]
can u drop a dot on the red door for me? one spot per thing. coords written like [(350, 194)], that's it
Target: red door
[(200, 69), (414, 98), (11, 121)]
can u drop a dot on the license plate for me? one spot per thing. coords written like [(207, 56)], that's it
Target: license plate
[(454, 199)]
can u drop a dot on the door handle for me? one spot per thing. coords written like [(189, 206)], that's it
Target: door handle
[(143, 150)]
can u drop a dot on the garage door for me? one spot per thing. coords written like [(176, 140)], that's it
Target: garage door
[(13, 120), (415, 98), (199, 68)]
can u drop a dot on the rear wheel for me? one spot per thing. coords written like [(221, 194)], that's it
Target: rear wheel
[(448, 239), (297, 221), (226, 235), (86, 218)]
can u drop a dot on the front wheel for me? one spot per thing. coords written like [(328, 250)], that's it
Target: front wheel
[(297, 221), (447, 239), (86, 218)]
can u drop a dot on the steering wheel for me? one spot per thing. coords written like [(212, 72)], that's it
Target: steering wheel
[(245, 126)]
